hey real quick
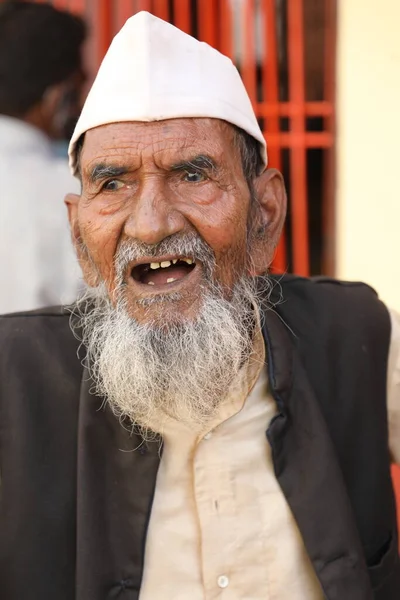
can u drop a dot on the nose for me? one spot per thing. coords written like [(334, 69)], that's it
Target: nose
[(153, 217)]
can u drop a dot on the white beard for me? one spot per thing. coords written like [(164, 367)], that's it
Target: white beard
[(181, 371)]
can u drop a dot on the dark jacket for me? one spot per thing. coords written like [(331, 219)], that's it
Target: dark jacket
[(74, 508)]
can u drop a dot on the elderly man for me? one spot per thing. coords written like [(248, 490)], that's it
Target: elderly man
[(225, 435)]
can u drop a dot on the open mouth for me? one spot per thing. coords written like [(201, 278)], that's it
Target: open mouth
[(165, 272)]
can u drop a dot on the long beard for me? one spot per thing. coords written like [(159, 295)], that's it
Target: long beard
[(180, 371)]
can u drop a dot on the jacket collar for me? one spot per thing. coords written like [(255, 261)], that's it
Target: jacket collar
[(116, 476), (308, 472)]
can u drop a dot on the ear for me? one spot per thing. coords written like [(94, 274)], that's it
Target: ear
[(89, 270), (71, 201), (52, 97), (50, 109), (267, 217)]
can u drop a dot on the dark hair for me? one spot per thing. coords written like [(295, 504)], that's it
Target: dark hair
[(40, 46), (249, 151)]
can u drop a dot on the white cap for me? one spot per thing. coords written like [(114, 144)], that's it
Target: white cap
[(154, 71)]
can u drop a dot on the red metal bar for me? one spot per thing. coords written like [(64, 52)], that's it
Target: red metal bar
[(290, 109), (77, 6), (104, 30), (396, 485), (271, 106), (143, 5), (161, 9), (226, 28), (182, 15), (123, 10), (328, 208), (61, 4), (298, 179), (207, 18), (310, 139), (271, 100), (249, 57)]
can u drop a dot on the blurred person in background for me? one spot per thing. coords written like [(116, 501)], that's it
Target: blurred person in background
[(41, 80)]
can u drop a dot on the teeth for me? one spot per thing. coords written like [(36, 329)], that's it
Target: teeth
[(150, 283), (167, 263), (171, 279)]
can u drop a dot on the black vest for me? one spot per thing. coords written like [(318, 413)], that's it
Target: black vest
[(74, 509)]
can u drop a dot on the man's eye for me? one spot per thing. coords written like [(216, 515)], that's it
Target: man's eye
[(194, 176), (113, 185)]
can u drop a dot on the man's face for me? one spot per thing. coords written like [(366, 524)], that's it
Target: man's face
[(149, 184), (170, 240)]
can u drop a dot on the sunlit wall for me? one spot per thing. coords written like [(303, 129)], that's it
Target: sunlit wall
[(368, 145)]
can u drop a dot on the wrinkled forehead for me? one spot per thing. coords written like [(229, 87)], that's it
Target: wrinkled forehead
[(173, 138)]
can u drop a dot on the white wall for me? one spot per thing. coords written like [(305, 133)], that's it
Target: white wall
[(368, 145)]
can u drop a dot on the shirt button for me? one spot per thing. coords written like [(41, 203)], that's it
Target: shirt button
[(207, 436), (223, 581)]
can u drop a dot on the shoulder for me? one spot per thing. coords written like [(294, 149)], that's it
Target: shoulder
[(37, 336), (43, 319), (314, 290), (40, 382), (328, 305), (321, 286)]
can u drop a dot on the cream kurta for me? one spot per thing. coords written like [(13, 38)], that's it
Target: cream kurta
[(220, 525)]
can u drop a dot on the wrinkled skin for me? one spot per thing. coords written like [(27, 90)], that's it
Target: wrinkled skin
[(137, 184)]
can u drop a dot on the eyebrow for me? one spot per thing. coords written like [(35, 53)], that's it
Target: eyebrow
[(202, 162), (103, 171)]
